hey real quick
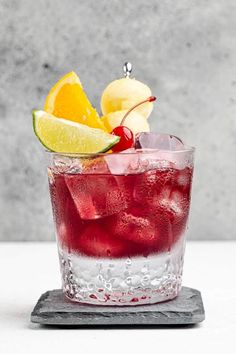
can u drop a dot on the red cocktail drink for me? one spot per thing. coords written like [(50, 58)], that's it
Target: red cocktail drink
[(120, 222)]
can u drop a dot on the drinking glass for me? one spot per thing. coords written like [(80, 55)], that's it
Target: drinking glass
[(120, 222)]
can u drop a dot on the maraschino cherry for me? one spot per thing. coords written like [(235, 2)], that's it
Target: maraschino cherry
[(125, 134)]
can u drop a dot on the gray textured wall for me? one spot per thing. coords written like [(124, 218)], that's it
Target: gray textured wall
[(185, 50)]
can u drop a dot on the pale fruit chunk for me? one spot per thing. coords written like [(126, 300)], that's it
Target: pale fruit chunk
[(125, 93), (134, 121)]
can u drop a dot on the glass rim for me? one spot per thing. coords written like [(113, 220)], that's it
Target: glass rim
[(186, 149)]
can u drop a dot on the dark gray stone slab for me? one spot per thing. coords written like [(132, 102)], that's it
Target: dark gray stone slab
[(53, 308)]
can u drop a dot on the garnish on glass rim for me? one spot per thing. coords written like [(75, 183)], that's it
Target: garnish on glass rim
[(125, 134)]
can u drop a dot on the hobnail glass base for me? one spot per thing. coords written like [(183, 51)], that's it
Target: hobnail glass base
[(125, 281)]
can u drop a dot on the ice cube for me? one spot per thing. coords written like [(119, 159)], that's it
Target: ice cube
[(142, 228), (184, 179), (150, 184), (97, 196), (173, 203), (158, 141), (151, 159), (91, 165), (125, 162), (96, 165), (164, 147), (132, 161), (133, 225), (60, 163), (175, 206), (75, 165), (145, 187)]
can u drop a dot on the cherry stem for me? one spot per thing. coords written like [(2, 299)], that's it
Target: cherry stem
[(149, 99)]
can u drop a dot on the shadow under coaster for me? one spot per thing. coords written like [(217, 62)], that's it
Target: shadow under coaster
[(54, 309)]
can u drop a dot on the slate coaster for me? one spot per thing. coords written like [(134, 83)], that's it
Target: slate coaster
[(53, 308)]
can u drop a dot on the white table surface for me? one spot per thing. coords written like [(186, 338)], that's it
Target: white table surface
[(29, 269)]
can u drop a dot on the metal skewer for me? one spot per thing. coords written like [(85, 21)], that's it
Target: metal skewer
[(127, 68)]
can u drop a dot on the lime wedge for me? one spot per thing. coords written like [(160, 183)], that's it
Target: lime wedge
[(62, 135)]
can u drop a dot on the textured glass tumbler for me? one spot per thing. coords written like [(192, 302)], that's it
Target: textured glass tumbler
[(120, 222)]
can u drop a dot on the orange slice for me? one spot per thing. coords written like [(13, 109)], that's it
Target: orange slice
[(68, 100)]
